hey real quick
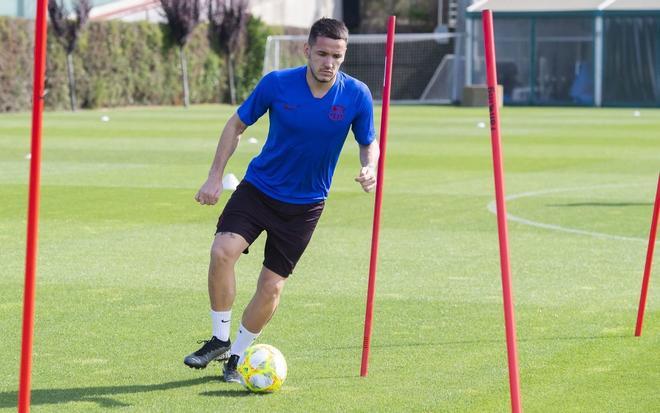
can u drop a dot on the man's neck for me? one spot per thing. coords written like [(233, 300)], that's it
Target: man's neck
[(318, 89)]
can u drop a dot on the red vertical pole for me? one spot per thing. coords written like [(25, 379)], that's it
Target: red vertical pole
[(371, 290), (649, 261), (33, 207), (510, 322)]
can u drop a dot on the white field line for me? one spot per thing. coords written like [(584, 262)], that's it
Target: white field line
[(492, 207)]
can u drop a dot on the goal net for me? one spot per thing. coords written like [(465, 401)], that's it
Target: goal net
[(423, 72)]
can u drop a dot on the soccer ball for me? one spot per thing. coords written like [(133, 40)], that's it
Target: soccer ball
[(263, 368)]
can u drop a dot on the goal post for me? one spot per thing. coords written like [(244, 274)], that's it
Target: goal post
[(424, 63)]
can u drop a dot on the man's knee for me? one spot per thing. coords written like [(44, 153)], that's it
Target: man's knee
[(271, 289), (223, 255)]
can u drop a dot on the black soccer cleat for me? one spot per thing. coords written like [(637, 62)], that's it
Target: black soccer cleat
[(213, 349), (230, 373)]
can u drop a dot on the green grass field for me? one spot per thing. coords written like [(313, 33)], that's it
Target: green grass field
[(123, 254)]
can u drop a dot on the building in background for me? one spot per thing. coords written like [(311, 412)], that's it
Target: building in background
[(287, 13), (295, 14), (570, 52), (361, 16), (18, 8), (128, 10), (28, 8)]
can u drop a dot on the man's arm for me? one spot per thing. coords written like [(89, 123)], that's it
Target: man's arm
[(210, 191), (368, 159)]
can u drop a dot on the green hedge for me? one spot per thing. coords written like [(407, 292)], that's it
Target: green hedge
[(15, 64), (120, 64)]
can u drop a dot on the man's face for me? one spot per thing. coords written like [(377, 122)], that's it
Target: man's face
[(325, 57)]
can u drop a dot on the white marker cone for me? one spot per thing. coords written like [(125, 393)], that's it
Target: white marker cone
[(229, 182)]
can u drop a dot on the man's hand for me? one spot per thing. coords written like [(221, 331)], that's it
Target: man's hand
[(210, 192), (367, 178)]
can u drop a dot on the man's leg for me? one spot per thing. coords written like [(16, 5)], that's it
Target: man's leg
[(225, 251), (255, 317), (289, 231), (265, 300)]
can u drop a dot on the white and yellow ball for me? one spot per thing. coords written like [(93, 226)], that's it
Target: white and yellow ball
[(263, 368)]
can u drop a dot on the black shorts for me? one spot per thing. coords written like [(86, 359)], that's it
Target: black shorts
[(289, 226)]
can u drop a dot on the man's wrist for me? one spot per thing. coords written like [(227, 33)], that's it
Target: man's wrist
[(215, 175)]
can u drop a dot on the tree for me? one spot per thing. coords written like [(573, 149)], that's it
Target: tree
[(182, 17), (68, 32), (227, 29)]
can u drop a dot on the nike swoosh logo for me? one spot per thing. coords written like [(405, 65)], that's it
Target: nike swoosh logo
[(224, 321)]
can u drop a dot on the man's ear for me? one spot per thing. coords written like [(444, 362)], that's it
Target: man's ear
[(307, 49)]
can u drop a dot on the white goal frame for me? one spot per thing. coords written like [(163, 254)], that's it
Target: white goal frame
[(437, 85)]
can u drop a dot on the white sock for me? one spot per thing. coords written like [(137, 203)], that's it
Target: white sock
[(244, 339), (221, 324)]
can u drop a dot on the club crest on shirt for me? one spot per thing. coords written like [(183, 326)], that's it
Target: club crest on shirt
[(336, 113), (289, 106)]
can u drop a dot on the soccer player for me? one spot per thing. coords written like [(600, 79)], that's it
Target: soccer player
[(311, 109)]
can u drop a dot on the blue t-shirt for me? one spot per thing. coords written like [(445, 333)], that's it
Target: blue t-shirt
[(306, 133)]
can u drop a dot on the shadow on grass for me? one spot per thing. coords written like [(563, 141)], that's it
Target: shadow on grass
[(602, 204), (102, 395), (237, 392)]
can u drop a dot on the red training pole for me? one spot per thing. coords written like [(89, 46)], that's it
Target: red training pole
[(371, 290), (33, 207), (649, 261), (509, 319)]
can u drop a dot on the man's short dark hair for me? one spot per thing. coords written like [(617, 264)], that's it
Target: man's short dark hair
[(331, 28)]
